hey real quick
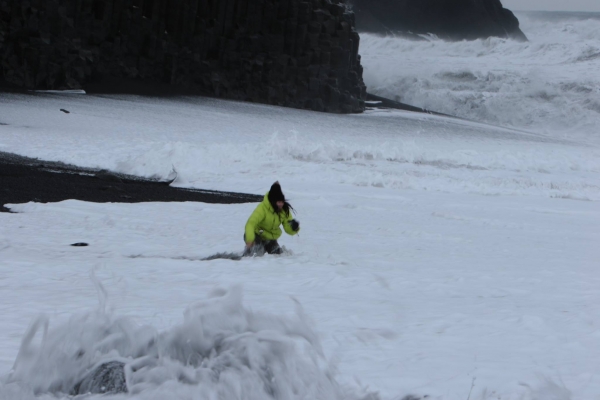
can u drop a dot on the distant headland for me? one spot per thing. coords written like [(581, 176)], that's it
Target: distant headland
[(448, 19)]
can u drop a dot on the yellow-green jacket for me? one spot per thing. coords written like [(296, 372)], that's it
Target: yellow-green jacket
[(265, 219)]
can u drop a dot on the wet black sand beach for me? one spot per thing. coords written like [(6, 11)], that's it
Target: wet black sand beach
[(25, 179)]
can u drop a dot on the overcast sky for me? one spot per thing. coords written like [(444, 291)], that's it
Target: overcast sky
[(552, 5)]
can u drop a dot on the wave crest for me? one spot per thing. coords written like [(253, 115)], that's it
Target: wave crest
[(546, 84), (220, 350)]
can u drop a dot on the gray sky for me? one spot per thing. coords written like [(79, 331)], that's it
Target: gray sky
[(552, 5)]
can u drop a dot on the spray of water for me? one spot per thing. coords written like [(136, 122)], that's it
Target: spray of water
[(549, 84), (220, 350)]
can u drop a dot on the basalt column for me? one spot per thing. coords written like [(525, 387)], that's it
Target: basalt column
[(301, 54)]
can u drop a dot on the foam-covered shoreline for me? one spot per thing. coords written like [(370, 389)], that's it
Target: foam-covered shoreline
[(211, 143)]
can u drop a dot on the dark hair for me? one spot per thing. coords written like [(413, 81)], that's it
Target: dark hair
[(275, 195), (287, 207)]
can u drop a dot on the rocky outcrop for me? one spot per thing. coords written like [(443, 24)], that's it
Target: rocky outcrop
[(448, 19), (295, 53), (107, 378)]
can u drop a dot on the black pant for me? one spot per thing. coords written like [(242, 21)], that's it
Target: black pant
[(262, 246)]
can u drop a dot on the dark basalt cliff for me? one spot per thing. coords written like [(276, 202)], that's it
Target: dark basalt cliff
[(294, 53), (448, 19)]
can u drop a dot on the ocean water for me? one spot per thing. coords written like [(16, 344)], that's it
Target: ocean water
[(549, 85)]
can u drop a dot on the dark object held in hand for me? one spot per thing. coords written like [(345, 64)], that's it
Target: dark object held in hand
[(295, 225)]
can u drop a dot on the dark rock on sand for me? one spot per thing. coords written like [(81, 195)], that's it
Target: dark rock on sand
[(107, 378)]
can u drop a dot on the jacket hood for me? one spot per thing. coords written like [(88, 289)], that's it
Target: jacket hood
[(268, 203)]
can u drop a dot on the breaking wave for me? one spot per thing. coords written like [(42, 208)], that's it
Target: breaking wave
[(406, 164), (220, 350), (549, 84)]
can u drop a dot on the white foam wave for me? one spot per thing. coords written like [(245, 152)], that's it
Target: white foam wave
[(221, 350), (549, 84), (403, 164)]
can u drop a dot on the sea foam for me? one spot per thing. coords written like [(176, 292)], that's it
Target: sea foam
[(549, 84), (220, 350)]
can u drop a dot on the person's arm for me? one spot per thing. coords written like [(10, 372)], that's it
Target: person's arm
[(257, 216), (290, 225)]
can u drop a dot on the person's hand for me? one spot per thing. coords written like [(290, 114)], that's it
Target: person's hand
[(248, 249), (295, 225)]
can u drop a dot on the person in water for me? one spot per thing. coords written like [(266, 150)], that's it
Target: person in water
[(263, 226)]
